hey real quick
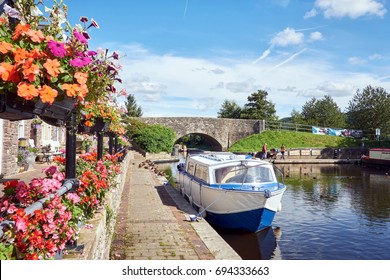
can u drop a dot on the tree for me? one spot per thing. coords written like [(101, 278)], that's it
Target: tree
[(258, 107), (230, 110), (369, 109), (296, 117), (323, 112), (132, 109)]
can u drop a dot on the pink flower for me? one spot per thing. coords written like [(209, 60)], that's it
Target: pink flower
[(20, 224), (5, 206), (73, 197), (80, 37), (50, 170), (80, 61), (12, 209), (57, 48), (59, 176)]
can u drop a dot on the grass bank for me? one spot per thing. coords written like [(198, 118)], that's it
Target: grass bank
[(275, 139)]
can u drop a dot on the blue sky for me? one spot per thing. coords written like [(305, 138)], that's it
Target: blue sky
[(185, 57)]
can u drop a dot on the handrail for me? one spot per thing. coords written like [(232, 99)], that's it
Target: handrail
[(67, 185)]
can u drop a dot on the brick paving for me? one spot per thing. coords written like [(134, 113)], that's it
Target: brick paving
[(150, 225)]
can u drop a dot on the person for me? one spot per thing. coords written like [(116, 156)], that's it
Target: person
[(264, 151), (282, 150)]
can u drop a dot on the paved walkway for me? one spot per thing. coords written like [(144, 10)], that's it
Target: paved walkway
[(153, 223)]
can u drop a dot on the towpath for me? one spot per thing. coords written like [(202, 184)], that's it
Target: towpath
[(153, 223)]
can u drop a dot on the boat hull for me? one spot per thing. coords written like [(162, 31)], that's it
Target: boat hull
[(233, 209), (253, 220)]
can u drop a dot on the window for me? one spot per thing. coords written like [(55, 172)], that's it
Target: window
[(191, 168), (21, 129), (201, 172)]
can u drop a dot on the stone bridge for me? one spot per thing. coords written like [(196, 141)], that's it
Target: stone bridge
[(220, 132)]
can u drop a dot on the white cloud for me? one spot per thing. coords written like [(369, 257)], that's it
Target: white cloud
[(312, 13), (287, 37), (242, 87), (354, 60), (316, 36), (351, 8), (167, 85)]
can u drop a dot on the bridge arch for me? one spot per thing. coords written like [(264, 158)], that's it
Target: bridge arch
[(212, 142), (223, 131)]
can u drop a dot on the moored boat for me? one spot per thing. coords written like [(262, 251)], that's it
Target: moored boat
[(233, 191), (379, 157)]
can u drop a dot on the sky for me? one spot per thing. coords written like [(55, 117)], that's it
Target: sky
[(183, 58)]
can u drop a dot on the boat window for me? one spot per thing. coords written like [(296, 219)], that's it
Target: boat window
[(191, 168), (261, 174), (201, 172), (224, 174), (239, 174)]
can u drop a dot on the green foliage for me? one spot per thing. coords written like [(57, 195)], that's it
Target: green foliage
[(7, 251), (275, 139), (133, 110), (322, 112), (229, 110), (151, 138), (369, 109), (258, 107), (169, 176)]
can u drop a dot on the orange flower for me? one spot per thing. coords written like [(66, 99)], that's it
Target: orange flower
[(48, 94), (36, 53), (36, 35), (88, 123), (20, 29), (30, 70), (9, 73), (76, 90), (27, 91), (20, 54), (52, 67), (5, 47), (70, 89), (83, 90), (81, 77)]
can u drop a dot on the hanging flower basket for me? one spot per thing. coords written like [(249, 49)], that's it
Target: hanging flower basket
[(15, 108), (15, 111), (99, 126)]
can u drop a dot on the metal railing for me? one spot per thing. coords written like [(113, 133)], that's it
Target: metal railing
[(68, 185)]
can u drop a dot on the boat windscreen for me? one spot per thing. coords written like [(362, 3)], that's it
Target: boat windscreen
[(244, 174)]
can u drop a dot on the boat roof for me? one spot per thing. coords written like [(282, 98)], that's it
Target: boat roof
[(221, 158)]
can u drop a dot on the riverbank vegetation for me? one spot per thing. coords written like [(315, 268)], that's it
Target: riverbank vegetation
[(368, 111), (275, 139)]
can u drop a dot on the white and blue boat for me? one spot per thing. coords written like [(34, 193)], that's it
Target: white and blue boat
[(232, 191)]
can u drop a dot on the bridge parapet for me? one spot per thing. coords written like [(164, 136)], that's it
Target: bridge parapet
[(224, 131)]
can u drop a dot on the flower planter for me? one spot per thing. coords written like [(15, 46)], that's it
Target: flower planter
[(99, 126), (14, 111), (15, 108)]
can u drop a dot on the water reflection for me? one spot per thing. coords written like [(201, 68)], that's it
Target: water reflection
[(329, 212), (262, 245)]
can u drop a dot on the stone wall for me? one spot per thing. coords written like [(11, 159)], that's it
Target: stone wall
[(225, 131), (327, 153), (94, 243), (10, 148)]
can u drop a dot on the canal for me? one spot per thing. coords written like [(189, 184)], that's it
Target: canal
[(330, 212)]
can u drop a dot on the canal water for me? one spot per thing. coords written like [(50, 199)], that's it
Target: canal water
[(329, 212)]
